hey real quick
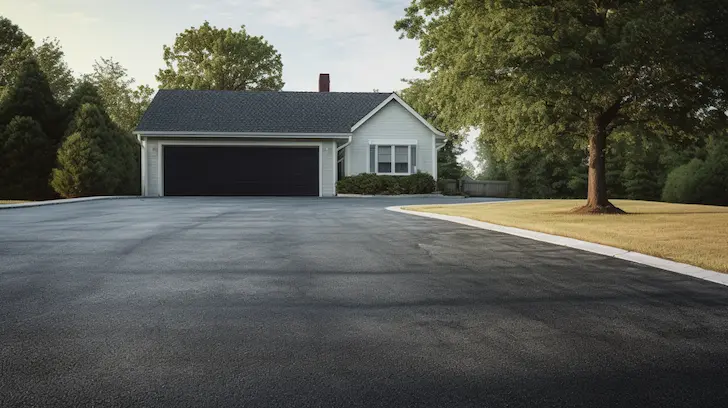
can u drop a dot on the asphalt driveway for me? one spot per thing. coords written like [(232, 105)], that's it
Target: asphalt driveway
[(336, 302)]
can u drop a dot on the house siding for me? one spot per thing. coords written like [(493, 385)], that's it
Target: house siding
[(328, 169), (153, 186), (391, 122)]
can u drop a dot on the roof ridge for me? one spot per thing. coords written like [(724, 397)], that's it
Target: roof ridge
[(270, 92)]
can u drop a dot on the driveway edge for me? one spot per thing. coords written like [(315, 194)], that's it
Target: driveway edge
[(636, 257), (64, 201)]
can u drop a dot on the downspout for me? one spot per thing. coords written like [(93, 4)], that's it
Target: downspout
[(340, 148), (143, 159)]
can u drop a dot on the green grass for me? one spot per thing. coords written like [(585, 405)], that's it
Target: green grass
[(693, 234)]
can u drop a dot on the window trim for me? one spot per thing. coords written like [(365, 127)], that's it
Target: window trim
[(393, 160)]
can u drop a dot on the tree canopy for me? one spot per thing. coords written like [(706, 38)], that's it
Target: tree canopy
[(16, 47), (211, 58), (31, 96), (12, 38), (124, 102), (534, 73)]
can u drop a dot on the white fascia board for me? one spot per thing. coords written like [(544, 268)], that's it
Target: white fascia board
[(247, 134), (390, 142), (395, 97)]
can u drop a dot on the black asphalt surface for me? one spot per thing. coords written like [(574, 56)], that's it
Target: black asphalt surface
[(222, 302)]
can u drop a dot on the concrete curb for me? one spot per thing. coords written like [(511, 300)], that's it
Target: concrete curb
[(636, 257), (395, 196), (64, 201)]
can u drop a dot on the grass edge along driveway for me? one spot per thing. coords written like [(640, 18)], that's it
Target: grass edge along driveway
[(692, 234)]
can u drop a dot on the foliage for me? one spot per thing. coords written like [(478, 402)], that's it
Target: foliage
[(448, 165), (27, 156), (416, 96), (31, 96), (367, 183), (80, 169), (124, 103), (700, 182), (89, 159), (530, 72), (211, 58), (683, 183), (84, 93), (50, 58), (12, 38)]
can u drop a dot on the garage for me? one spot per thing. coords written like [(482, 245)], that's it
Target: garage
[(240, 171)]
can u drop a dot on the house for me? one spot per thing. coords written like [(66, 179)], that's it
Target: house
[(278, 143)]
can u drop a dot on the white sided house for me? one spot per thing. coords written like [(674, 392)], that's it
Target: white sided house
[(279, 143)]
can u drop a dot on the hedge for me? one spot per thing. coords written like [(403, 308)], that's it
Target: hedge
[(372, 184)]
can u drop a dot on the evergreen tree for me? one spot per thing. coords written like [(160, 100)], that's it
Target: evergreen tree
[(31, 96), (448, 166), (27, 157), (89, 159), (85, 92)]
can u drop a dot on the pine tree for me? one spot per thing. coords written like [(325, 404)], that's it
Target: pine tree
[(84, 93), (27, 157), (89, 159), (31, 96)]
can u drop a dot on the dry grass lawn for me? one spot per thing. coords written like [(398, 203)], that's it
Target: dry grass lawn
[(12, 201), (693, 234)]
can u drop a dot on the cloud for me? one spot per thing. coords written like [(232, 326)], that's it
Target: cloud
[(197, 6)]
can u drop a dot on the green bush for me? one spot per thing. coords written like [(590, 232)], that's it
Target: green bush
[(700, 182), (419, 183), (683, 183)]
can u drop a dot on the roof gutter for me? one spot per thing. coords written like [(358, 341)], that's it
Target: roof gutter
[(344, 146), (163, 134)]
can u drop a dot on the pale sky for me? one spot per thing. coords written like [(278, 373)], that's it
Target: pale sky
[(353, 40)]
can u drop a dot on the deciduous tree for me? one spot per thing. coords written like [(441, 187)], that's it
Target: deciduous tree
[(124, 102), (212, 58), (531, 72)]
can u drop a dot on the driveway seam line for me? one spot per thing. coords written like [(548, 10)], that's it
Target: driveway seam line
[(612, 252)]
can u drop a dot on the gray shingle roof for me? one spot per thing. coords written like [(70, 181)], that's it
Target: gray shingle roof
[(267, 112)]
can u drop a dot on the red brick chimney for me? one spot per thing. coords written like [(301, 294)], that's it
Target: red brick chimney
[(324, 83)]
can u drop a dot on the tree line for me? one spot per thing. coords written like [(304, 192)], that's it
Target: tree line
[(68, 136)]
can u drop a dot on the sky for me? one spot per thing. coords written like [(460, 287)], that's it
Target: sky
[(353, 40)]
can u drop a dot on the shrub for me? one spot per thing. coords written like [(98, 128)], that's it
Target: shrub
[(367, 183), (418, 183), (700, 182), (683, 183)]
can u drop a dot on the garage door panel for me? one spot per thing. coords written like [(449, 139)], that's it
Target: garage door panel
[(241, 170)]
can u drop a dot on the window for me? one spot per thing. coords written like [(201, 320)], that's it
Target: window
[(384, 159), (387, 159)]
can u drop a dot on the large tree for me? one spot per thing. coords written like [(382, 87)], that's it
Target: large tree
[(212, 58), (27, 156), (124, 102), (16, 47), (31, 96), (12, 38), (532, 72), (90, 159)]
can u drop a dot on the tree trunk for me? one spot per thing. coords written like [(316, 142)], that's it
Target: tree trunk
[(597, 201)]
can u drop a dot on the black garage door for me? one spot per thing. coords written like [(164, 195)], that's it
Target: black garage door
[(235, 170)]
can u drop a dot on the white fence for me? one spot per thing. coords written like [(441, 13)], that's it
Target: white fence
[(476, 188)]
